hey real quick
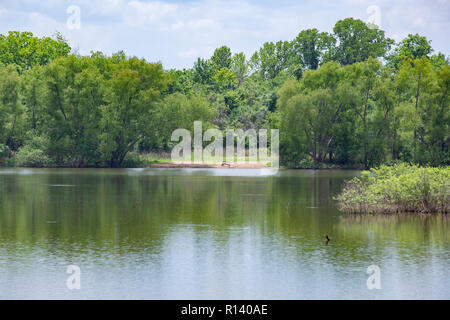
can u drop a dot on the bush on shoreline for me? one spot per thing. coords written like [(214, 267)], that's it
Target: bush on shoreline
[(4, 152), (395, 189)]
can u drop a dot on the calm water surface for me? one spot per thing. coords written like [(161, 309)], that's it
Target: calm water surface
[(207, 234)]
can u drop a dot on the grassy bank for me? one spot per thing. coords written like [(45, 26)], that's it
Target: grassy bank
[(35, 159), (161, 159), (395, 189)]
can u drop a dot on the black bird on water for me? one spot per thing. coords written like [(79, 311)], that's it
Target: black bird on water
[(328, 239)]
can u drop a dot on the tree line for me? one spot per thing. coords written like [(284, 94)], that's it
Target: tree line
[(351, 98)]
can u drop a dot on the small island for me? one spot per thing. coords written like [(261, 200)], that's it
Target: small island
[(396, 189)]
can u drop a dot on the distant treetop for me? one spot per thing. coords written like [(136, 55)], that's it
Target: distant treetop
[(25, 50)]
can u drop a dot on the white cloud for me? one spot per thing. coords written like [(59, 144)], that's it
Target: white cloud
[(193, 53), (110, 6), (152, 11), (177, 25), (177, 32)]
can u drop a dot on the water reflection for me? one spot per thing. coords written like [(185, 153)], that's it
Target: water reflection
[(169, 233)]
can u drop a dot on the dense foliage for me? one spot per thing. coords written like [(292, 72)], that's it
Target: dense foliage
[(351, 98), (399, 188)]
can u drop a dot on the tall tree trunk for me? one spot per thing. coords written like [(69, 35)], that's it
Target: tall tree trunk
[(364, 129)]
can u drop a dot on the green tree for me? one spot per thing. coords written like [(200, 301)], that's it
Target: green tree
[(439, 119), (415, 82), (357, 42), (310, 45), (128, 115), (239, 66), (412, 47), (367, 79), (203, 71), (439, 60), (11, 110), (271, 59), (224, 79), (25, 50), (179, 111), (32, 92), (221, 58), (317, 103), (181, 81), (73, 97)]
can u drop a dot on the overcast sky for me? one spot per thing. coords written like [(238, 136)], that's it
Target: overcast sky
[(177, 32)]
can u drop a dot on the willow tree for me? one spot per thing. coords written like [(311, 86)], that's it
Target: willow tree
[(317, 103), (129, 112), (415, 82), (423, 111), (74, 93), (366, 77), (11, 111)]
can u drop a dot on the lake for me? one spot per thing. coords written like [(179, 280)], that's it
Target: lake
[(208, 234)]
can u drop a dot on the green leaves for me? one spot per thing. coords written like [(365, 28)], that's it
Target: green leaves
[(127, 119), (180, 111), (357, 42), (310, 46), (331, 95), (239, 66), (4, 152), (224, 79), (397, 189), (221, 58), (91, 111), (272, 58), (11, 111), (25, 51), (412, 47), (310, 110)]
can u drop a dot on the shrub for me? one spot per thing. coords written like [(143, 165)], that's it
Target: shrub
[(28, 156), (132, 160), (399, 188), (307, 164), (4, 153)]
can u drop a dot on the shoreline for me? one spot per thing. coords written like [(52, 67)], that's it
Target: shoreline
[(208, 166), (168, 165)]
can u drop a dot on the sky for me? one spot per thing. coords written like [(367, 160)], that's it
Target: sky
[(177, 32)]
